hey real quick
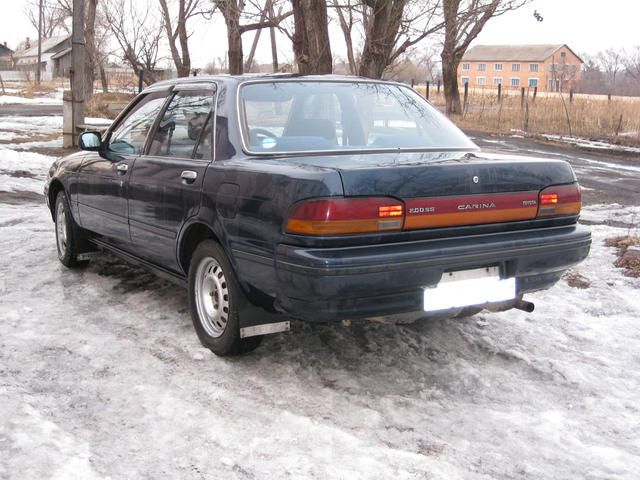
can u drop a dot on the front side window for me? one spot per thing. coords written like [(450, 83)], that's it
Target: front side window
[(304, 116), (182, 124), (129, 136), (482, 81), (515, 82), (482, 67), (515, 67), (465, 66), (498, 67), (533, 67), (464, 80), (533, 82), (497, 81)]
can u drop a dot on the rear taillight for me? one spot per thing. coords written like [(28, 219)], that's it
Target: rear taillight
[(560, 200), (339, 216)]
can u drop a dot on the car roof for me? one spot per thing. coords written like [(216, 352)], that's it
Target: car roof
[(237, 79)]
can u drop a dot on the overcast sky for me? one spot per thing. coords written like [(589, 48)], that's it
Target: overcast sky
[(585, 25)]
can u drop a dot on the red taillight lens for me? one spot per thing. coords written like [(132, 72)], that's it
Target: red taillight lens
[(560, 200), (339, 216)]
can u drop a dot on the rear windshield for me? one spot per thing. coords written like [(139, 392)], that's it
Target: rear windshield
[(304, 116)]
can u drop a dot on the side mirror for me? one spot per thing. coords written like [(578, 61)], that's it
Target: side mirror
[(91, 141)]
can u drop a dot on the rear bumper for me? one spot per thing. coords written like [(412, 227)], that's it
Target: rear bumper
[(326, 284)]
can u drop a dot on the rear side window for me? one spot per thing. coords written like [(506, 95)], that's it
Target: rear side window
[(182, 125), (130, 134)]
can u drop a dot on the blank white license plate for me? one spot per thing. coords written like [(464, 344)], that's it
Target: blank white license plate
[(469, 287)]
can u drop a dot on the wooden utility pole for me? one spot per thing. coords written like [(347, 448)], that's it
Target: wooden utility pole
[(39, 66), (73, 101)]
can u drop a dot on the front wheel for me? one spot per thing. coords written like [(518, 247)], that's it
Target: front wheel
[(67, 236), (214, 297)]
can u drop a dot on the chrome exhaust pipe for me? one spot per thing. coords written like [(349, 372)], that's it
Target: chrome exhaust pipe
[(524, 305)]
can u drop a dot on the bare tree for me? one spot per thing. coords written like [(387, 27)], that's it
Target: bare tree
[(311, 46), (54, 17), (464, 20), (611, 64), (632, 63), (392, 27), (137, 32), (349, 12), (239, 20), (177, 31)]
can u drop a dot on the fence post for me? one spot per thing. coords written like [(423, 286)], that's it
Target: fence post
[(499, 92), (412, 82), (140, 80), (427, 91), (466, 96), (535, 93), (609, 96), (438, 87), (571, 96), (522, 97), (2, 85)]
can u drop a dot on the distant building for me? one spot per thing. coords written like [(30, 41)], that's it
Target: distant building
[(55, 57), (6, 57), (551, 68)]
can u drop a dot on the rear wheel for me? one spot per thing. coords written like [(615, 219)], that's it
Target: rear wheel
[(214, 297), (68, 236)]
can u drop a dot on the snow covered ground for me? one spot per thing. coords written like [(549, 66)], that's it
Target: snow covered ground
[(102, 376)]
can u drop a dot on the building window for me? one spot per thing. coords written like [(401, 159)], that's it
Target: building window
[(533, 67), (515, 82), (563, 54), (515, 67), (464, 80), (574, 68), (497, 67), (465, 66), (553, 67), (482, 81), (533, 82), (482, 67), (497, 81)]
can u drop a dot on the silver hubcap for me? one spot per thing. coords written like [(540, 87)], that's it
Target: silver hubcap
[(61, 229), (212, 296)]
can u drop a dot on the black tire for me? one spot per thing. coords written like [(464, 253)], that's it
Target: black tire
[(67, 244), (214, 302)]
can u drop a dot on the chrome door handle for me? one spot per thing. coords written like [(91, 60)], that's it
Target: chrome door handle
[(189, 176), (122, 168)]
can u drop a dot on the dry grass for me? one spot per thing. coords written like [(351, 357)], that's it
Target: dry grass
[(628, 254), (31, 90), (98, 106), (587, 116)]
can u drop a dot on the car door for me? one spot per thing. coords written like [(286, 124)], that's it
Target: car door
[(165, 184), (103, 176)]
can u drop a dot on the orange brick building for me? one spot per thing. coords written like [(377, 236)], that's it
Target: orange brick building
[(551, 68)]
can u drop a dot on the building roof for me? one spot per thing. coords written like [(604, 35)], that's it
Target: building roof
[(61, 53), (508, 53), (47, 44), (4, 50)]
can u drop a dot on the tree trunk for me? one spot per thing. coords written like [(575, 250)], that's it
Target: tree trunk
[(311, 45), (450, 84), (380, 37), (104, 80), (274, 47), (91, 48), (234, 38)]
